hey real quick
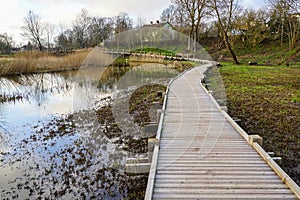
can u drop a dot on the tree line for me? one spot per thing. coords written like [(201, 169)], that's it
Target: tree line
[(226, 19), (86, 31)]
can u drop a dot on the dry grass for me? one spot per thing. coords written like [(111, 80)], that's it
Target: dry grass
[(37, 62)]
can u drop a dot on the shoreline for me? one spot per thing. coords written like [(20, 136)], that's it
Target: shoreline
[(36, 64)]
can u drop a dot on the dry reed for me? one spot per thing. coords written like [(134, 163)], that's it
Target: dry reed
[(38, 62)]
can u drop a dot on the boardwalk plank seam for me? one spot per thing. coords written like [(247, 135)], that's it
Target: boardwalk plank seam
[(178, 173)]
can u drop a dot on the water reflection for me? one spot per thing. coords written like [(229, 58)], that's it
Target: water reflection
[(59, 138)]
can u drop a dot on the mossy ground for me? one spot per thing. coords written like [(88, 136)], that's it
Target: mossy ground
[(267, 101)]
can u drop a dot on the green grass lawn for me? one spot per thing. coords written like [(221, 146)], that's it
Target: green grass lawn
[(267, 101)]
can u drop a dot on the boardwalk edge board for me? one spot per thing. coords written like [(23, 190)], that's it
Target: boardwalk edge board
[(257, 146), (253, 141)]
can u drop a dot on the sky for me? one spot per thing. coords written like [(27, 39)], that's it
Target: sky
[(12, 12)]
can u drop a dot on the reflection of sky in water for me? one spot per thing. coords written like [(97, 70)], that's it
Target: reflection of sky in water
[(43, 96), (46, 95), (49, 98), (54, 96)]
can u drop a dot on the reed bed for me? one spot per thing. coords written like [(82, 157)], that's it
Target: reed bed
[(39, 62)]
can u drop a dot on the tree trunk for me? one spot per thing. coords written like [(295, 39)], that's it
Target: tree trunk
[(228, 46), (40, 46), (225, 27)]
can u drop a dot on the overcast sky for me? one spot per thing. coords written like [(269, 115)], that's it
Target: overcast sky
[(57, 12)]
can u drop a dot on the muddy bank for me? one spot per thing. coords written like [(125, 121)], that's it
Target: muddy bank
[(142, 100), (78, 155), (61, 143)]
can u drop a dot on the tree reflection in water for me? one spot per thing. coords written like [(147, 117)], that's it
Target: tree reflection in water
[(55, 150)]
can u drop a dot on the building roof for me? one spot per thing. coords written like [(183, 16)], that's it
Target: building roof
[(159, 25)]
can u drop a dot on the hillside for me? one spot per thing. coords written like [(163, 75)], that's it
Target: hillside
[(270, 52)]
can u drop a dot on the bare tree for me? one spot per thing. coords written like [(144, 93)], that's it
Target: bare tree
[(195, 10), (140, 22), (122, 23), (34, 28), (81, 28), (61, 40), (252, 25), (170, 15), (177, 17), (286, 15), (49, 30), (279, 9), (293, 23), (99, 30), (224, 11), (66, 40), (6, 43)]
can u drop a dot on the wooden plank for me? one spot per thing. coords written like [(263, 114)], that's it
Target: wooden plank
[(201, 191), (221, 186), (209, 166), (217, 168), (196, 156), (211, 176), (222, 181), (166, 196), (204, 154), (196, 153), (286, 179), (152, 174), (219, 161)]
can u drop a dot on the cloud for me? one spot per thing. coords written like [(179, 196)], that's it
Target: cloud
[(256, 4), (65, 11), (148, 9)]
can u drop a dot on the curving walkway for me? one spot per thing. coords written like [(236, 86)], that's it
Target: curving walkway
[(202, 154)]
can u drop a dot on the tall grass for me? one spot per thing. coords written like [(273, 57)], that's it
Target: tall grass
[(37, 62)]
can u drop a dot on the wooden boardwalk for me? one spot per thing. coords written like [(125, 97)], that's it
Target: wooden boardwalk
[(203, 155)]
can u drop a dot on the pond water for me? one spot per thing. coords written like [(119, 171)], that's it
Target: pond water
[(59, 137)]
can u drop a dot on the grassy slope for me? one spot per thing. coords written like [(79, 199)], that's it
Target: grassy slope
[(266, 98), (268, 53)]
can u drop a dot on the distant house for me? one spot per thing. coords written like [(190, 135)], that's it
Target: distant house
[(166, 25), (150, 35)]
